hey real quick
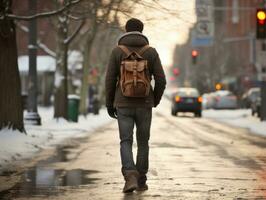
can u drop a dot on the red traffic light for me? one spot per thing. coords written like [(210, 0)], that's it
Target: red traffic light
[(176, 71), (194, 53)]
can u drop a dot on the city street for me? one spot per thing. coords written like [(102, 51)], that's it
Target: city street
[(68, 66), (190, 158)]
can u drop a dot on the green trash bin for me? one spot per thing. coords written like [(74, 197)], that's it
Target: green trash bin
[(73, 107)]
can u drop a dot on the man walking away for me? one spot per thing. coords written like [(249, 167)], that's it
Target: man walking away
[(130, 98)]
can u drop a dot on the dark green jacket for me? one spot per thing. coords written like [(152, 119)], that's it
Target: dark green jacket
[(114, 97)]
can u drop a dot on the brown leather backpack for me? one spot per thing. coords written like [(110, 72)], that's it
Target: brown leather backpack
[(134, 73)]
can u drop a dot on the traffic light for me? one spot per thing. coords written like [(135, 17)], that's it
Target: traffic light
[(176, 71), (261, 23), (194, 54)]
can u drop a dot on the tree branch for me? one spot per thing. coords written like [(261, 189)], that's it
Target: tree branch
[(70, 38), (39, 43), (44, 14), (46, 49), (87, 16)]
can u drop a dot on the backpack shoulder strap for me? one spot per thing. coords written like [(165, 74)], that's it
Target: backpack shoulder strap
[(125, 50), (143, 49)]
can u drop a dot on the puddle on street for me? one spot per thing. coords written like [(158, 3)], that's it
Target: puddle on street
[(44, 180), (47, 178), (47, 181)]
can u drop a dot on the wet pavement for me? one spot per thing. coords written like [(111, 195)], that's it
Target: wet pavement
[(190, 158)]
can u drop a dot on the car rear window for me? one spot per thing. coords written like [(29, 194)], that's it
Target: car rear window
[(224, 93), (188, 93), (256, 93)]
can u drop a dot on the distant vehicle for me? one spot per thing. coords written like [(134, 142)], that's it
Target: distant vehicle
[(225, 99), (186, 100), (255, 107), (168, 93), (208, 100), (250, 97)]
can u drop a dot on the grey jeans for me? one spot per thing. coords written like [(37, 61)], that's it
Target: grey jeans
[(127, 118)]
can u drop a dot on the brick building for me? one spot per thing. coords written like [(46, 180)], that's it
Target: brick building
[(46, 26), (235, 56), (239, 38), (46, 35)]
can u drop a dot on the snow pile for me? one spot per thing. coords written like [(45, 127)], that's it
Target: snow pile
[(239, 118), (47, 63), (227, 114), (16, 146), (75, 60), (44, 63)]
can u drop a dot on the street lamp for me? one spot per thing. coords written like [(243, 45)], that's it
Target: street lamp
[(32, 115)]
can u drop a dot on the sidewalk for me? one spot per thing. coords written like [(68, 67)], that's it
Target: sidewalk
[(16, 146)]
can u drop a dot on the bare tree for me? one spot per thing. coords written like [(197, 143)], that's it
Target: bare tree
[(91, 33), (97, 12), (11, 114), (102, 14)]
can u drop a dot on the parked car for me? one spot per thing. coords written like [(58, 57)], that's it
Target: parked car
[(256, 107), (225, 99), (250, 97), (208, 100), (186, 100)]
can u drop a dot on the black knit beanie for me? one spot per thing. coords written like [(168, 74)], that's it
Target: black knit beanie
[(134, 24)]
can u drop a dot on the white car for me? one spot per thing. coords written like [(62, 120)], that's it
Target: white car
[(208, 100), (225, 99)]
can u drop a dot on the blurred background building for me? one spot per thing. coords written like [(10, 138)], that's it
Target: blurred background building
[(232, 56)]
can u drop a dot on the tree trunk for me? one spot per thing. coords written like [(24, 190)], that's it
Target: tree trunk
[(61, 75), (106, 46), (86, 65), (11, 112)]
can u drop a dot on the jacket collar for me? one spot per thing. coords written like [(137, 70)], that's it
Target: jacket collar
[(137, 33)]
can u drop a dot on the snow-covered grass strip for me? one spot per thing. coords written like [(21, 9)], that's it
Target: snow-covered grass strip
[(16, 146)]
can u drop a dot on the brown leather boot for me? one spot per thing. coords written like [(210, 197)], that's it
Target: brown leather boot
[(142, 185), (131, 178)]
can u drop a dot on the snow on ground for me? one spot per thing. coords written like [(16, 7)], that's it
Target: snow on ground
[(240, 118), (16, 146)]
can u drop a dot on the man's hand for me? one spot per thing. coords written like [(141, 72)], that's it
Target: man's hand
[(112, 112), (156, 103)]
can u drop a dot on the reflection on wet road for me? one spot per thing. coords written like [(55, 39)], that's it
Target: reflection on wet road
[(42, 180), (190, 158)]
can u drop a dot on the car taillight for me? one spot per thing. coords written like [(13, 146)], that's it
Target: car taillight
[(200, 99), (177, 99)]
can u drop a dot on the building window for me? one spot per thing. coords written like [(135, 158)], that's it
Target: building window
[(235, 12)]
